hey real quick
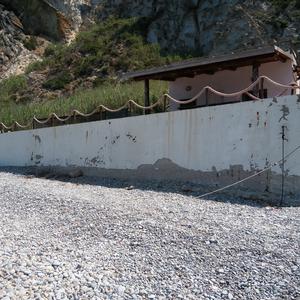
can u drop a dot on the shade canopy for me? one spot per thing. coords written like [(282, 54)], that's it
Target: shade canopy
[(210, 65)]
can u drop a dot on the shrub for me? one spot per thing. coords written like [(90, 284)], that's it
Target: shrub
[(31, 43), (9, 87), (58, 81)]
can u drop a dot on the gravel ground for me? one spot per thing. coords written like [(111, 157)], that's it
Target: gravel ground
[(74, 240)]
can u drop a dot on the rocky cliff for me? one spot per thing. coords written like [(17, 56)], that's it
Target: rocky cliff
[(195, 27), (206, 27)]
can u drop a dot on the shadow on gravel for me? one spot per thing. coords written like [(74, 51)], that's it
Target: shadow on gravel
[(165, 186)]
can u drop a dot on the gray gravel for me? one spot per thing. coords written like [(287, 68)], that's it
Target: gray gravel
[(63, 240)]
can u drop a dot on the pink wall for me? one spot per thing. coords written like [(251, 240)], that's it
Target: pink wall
[(232, 81)]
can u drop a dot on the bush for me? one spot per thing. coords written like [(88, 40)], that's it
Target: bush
[(58, 81), (281, 4), (106, 49), (9, 87), (31, 43)]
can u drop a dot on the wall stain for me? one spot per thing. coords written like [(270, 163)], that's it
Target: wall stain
[(86, 136), (131, 137), (115, 139), (285, 112), (37, 138)]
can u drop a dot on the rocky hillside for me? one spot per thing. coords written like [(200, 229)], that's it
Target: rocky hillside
[(177, 28), (205, 27)]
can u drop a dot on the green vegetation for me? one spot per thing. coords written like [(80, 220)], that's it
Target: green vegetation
[(110, 95), (58, 82), (105, 50), (281, 4), (31, 43), (9, 88)]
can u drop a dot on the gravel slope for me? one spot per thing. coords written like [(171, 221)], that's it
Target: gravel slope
[(63, 240)]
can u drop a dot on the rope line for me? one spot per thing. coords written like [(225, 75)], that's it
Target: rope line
[(130, 103), (251, 176)]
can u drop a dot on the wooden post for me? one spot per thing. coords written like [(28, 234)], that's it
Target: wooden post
[(146, 95), (261, 89), (292, 91), (100, 113), (255, 75), (129, 109), (206, 97), (165, 103)]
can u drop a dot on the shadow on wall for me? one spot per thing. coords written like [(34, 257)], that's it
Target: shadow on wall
[(240, 196)]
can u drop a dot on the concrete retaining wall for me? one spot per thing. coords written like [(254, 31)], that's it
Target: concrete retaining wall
[(212, 145)]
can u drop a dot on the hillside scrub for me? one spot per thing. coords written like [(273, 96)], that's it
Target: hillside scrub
[(109, 94), (106, 50), (84, 74)]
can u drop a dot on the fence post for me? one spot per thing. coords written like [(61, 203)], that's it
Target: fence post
[(100, 113), (165, 103), (261, 88), (74, 117), (130, 109)]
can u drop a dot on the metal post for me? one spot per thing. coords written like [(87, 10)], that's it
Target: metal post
[(146, 95), (282, 166)]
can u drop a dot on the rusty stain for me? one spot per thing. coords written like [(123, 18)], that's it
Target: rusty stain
[(37, 138), (285, 112)]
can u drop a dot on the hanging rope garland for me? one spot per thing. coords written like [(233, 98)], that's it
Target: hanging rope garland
[(131, 103)]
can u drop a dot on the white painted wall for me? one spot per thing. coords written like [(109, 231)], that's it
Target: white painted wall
[(232, 81), (246, 134)]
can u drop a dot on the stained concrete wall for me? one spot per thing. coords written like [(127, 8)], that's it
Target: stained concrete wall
[(227, 81), (211, 145)]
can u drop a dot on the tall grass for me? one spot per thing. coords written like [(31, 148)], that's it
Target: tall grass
[(110, 95)]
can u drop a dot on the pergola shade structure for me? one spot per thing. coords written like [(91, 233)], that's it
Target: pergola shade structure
[(191, 68)]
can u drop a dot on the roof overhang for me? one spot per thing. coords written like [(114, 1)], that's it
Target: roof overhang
[(210, 65)]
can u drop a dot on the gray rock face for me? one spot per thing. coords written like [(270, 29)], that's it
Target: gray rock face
[(11, 37), (194, 26), (39, 17)]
